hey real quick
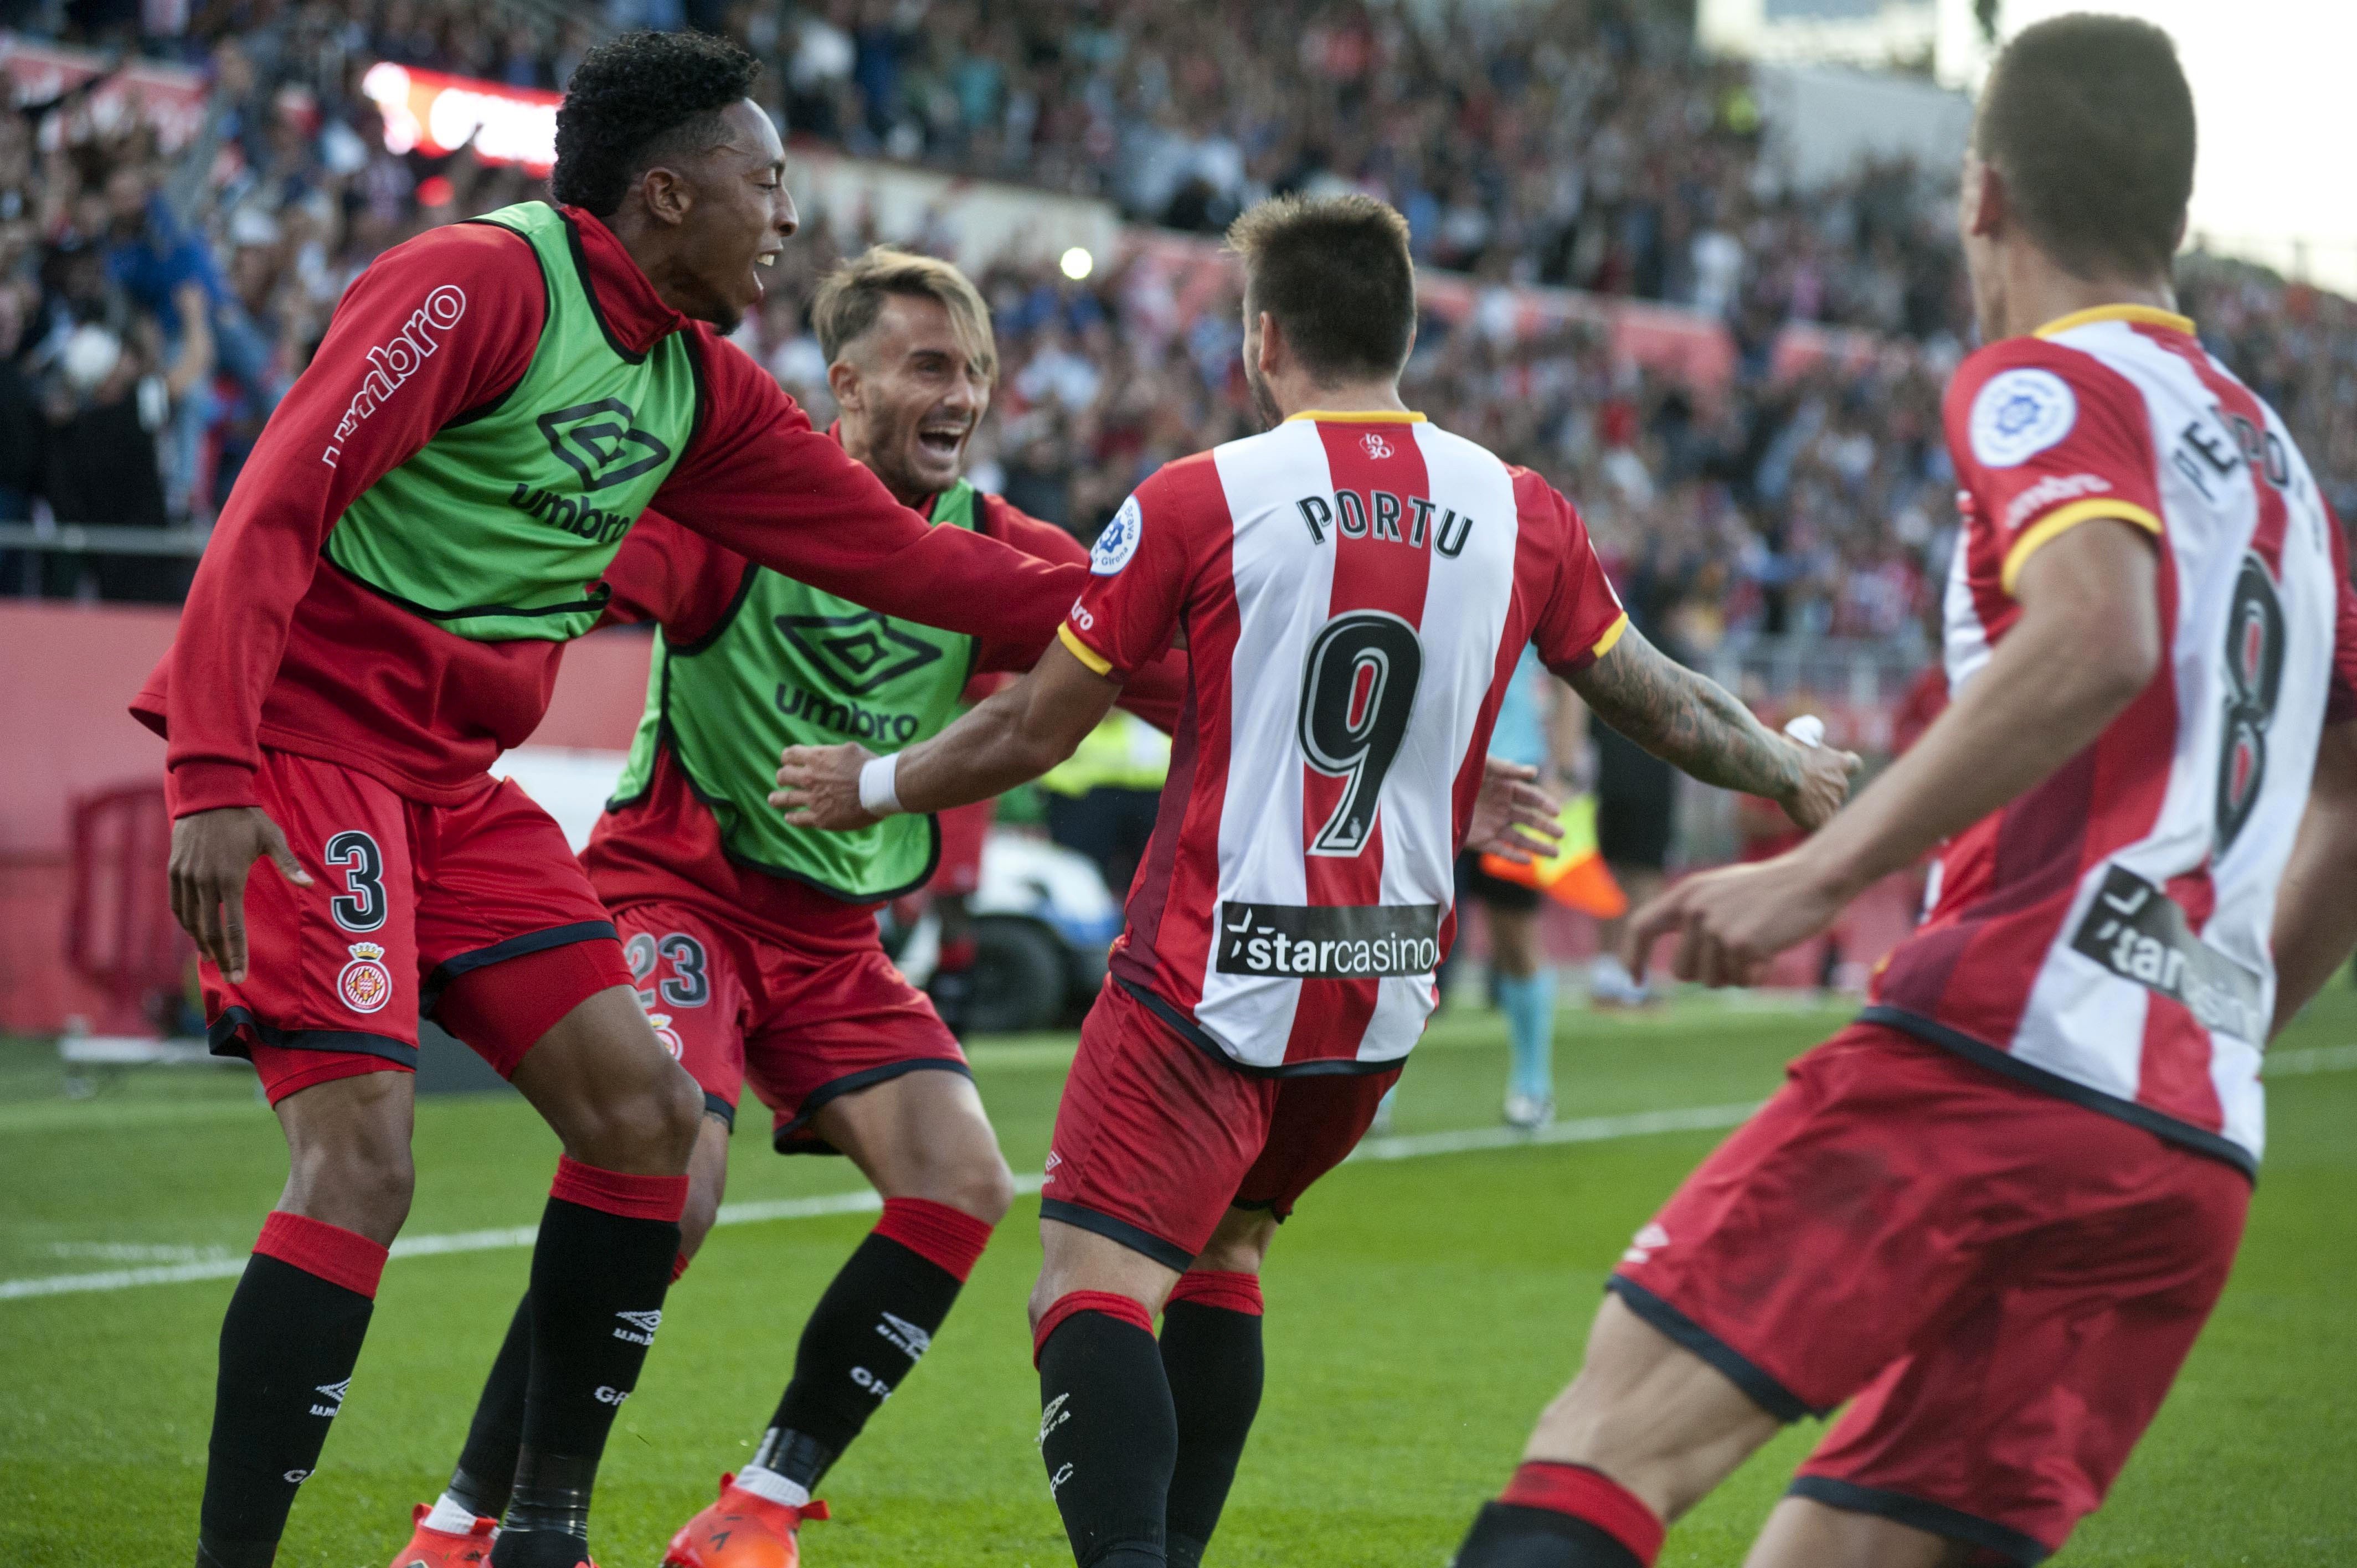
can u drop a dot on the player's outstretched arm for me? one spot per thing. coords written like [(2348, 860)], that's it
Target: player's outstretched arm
[(760, 480), (1006, 740), (2316, 920), (1698, 725), (2086, 645)]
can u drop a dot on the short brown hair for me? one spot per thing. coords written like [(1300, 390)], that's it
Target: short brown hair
[(850, 298), (2090, 122), (1336, 273)]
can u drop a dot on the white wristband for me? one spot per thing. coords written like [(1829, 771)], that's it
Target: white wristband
[(878, 795)]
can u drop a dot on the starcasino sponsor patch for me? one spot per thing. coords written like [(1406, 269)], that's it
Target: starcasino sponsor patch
[(1118, 543), (2021, 413), (1329, 941)]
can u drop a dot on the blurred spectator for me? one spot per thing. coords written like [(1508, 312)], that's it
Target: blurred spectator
[(1572, 143)]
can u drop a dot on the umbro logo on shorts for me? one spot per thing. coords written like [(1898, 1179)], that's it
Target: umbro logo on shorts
[(331, 1397), (639, 1328), (1645, 1243)]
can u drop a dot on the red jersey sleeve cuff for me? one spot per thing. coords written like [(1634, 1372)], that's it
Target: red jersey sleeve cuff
[(211, 786), (1097, 662)]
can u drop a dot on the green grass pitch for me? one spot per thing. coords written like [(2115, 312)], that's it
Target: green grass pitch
[(1420, 1312)]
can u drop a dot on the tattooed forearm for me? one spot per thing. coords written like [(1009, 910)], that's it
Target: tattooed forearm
[(1687, 719)]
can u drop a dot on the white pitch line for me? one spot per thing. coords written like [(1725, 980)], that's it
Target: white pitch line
[(1411, 1147)]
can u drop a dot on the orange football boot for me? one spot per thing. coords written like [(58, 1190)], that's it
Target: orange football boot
[(742, 1529), (430, 1547)]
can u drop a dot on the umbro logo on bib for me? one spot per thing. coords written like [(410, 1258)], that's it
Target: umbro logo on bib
[(600, 442), (859, 652)]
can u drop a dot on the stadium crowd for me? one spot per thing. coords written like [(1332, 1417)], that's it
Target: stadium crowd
[(160, 300)]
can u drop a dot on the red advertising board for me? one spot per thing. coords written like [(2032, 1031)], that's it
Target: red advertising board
[(428, 112)]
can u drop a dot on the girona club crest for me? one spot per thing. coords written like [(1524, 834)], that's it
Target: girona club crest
[(667, 1035), (365, 984), (1375, 445)]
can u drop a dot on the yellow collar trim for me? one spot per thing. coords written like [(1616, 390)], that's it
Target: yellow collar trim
[(1358, 416), (2148, 315)]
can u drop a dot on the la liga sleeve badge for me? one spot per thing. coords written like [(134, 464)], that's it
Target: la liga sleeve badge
[(365, 984), (2019, 414), (1118, 543)]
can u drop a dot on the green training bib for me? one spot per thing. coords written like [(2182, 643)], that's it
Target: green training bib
[(789, 665), (499, 528)]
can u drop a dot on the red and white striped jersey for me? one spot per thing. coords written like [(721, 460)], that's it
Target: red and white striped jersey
[(2106, 936), (1355, 590)]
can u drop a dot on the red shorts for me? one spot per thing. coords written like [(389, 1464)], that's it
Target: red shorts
[(2003, 1283), (1155, 1139), (964, 829), (407, 901), (804, 1027)]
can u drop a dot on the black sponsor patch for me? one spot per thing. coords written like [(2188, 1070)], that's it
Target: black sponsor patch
[(1351, 941), (2139, 933)]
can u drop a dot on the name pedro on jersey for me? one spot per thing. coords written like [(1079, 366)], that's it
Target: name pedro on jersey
[(1381, 514), (1296, 941)]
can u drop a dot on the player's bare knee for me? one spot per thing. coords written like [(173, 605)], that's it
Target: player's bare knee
[(676, 1115), (1043, 1296), (979, 1185), (363, 1183), (708, 1182), (698, 1217), (647, 1128), (1240, 1246)]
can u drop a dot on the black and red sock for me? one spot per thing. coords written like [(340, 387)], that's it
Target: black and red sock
[(1108, 1430), (288, 1345), (599, 1276), (1211, 1356), (1563, 1516), (868, 1331), (486, 1472)]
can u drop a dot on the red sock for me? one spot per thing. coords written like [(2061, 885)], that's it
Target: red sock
[(1127, 1309), (1229, 1292), (618, 1192), (950, 1239), (340, 1257), (1589, 1494)]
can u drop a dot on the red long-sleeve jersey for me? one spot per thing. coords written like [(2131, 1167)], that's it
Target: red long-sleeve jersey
[(273, 651), (667, 845)]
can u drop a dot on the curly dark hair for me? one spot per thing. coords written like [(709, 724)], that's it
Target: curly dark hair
[(638, 98)]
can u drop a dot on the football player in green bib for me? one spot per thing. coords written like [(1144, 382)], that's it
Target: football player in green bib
[(428, 517), (754, 946)]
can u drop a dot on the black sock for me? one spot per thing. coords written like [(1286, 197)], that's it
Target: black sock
[(486, 1472), (598, 1277), (1109, 1436), (1212, 1358), (1506, 1535), (862, 1340), (288, 1345)]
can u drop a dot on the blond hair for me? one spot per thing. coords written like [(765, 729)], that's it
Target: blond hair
[(851, 296)]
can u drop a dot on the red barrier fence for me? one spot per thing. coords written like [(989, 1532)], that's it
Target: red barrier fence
[(120, 936)]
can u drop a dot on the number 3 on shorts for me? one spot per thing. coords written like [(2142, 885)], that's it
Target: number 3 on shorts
[(361, 904)]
